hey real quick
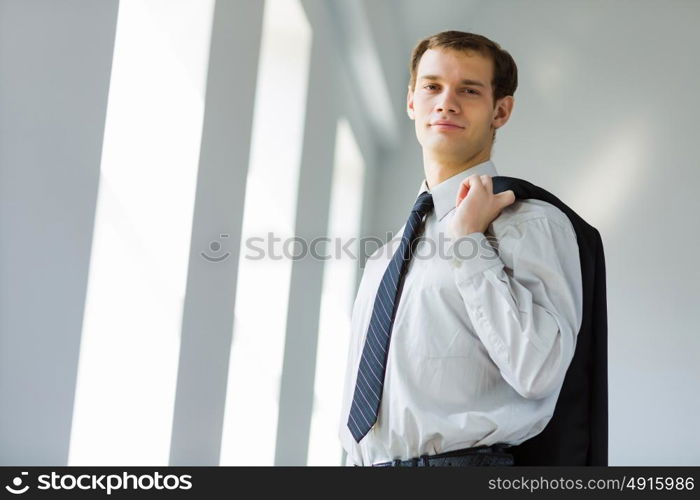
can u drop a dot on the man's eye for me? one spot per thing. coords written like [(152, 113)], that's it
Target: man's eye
[(430, 86), (472, 91)]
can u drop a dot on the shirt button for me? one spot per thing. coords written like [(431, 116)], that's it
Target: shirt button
[(456, 263)]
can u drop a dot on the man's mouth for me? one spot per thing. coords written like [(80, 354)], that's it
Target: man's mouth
[(445, 125)]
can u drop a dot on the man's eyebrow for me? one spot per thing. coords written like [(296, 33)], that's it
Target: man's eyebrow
[(466, 81)]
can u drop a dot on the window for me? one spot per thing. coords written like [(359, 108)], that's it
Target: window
[(337, 296), (126, 381), (250, 419)]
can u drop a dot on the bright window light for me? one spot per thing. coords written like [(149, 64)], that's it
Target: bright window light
[(336, 299), (255, 369), (126, 383)]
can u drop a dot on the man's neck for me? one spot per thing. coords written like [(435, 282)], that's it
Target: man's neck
[(437, 171)]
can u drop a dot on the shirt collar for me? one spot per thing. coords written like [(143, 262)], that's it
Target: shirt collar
[(445, 193)]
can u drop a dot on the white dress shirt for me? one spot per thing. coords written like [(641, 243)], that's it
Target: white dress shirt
[(483, 334)]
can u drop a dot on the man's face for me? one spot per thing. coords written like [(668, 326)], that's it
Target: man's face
[(454, 87)]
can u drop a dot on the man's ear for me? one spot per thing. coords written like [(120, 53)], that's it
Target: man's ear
[(409, 104), (503, 110)]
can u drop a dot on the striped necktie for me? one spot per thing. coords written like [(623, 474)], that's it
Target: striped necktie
[(370, 376)]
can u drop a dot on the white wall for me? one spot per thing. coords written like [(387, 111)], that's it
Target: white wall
[(55, 61)]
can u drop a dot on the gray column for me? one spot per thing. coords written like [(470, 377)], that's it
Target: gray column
[(55, 61), (209, 305), (298, 372)]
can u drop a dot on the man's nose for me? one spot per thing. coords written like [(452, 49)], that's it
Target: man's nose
[(447, 102)]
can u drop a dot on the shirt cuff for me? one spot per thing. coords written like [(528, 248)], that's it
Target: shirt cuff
[(473, 254)]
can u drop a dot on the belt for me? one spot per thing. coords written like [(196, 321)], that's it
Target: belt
[(495, 454)]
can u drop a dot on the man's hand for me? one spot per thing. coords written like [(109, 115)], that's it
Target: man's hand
[(477, 206)]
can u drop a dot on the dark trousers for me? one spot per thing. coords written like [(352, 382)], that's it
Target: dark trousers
[(494, 455)]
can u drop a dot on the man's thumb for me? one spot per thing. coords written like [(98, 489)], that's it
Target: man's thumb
[(507, 197)]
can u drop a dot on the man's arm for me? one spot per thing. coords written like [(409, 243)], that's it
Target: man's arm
[(347, 461), (527, 316), (348, 443)]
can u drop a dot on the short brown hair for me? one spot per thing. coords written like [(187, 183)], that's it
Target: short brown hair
[(505, 72)]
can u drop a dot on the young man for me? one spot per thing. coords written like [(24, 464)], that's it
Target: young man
[(453, 359)]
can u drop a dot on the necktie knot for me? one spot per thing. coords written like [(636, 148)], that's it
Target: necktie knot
[(423, 204)]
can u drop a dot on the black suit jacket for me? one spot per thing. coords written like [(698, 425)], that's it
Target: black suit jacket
[(577, 434)]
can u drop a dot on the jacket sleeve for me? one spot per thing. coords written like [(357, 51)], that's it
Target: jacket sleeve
[(524, 301)]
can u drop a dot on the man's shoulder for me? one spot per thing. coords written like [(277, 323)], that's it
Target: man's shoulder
[(531, 209)]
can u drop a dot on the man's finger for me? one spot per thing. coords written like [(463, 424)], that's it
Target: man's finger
[(488, 184), (462, 193), (475, 182), (506, 197)]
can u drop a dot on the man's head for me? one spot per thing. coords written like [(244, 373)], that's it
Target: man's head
[(466, 80)]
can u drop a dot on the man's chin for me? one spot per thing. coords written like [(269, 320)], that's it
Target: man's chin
[(448, 150)]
